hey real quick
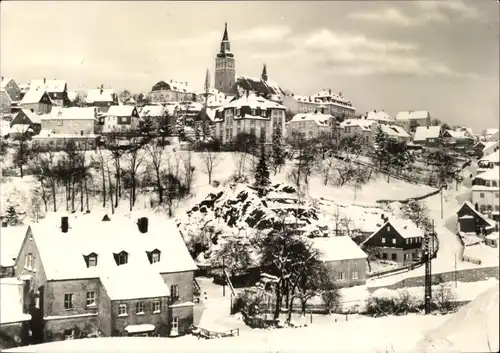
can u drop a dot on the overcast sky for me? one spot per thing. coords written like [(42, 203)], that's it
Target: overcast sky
[(437, 56)]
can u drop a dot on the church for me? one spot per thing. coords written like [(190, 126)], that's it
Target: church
[(227, 82)]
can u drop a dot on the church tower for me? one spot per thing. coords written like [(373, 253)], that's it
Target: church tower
[(225, 73)]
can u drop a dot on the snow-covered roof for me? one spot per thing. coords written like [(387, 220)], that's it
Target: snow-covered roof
[(489, 144), (338, 248), (406, 228), (35, 118), (33, 95), (179, 86), (5, 81), (253, 84), (147, 281), (494, 157), (319, 118), (491, 131), (423, 133), (11, 305), (459, 134), (364, 124), (412, 115), (469, 204), (11, 239), (379, 116), (153, 110), (491, 174), (98, 95), (252, 101), (72, 113), (51, 86), (88, 234), (394, 130), (120, 110)]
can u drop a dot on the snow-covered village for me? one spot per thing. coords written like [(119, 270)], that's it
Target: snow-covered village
[(155, 198)]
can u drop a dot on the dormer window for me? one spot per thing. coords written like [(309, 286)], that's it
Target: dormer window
[(91, 259), (153, 256), (121, 258)]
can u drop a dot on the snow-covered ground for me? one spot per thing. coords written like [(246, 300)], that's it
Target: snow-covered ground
[(361, 335)]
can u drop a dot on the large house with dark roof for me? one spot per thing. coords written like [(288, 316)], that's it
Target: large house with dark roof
[(396, 240), (472, 222), (56, 89), (101, 276)]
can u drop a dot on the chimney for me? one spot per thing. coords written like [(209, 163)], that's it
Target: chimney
[(382, 216), (340, 94), (374, 111), (330, 91), (102, 88), (2, 78), (142, 223), (44, 80), (64, 224)]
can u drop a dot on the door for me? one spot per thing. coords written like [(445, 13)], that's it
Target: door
[(174, 331)]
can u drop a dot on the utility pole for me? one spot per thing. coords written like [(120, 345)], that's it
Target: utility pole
[(223, 277), (441, 201), (428, 272)]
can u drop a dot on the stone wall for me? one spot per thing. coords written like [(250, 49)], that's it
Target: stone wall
[(471, 275)]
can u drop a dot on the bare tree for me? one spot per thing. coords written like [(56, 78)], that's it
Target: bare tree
[(346, 172), (156, 151), (133, 160), (210, 160), (188, 169), (304, 162), (100, 164), (444, 297), (22, 154), (326, 167)]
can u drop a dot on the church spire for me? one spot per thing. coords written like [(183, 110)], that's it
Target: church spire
[(207, 81), (264, 73), (225, 46), (225, 37)]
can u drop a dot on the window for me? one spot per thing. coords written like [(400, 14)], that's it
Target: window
[(238, 112), (263, 113), (92, 260), (497, 195), (122, 310), (481, 195), (156, 306), (388, 228), (155, 257), (407, 241), (68, 301), (341, 276), (90, 298), (384, 256), (383, 240), (355, 275), (405, 257), (253, 112), (394, 257), (28, 262), (482, 208), (494, 183), (497, 207), (121, 258), (174, 291), (394, 240), (139, 308)]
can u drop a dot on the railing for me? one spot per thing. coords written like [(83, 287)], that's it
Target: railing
[(207, 334), (228, 279), (197, 288)]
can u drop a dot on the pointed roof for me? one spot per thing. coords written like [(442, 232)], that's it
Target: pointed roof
[(264, 73), (225, 37)]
